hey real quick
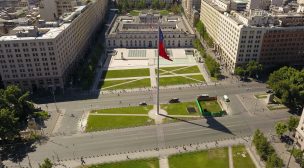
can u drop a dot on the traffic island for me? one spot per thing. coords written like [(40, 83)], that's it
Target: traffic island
[(116, 118), (209, 106)]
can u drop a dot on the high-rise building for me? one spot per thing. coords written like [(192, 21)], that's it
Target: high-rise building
[(42, 56), (272, 36), (300, 133)]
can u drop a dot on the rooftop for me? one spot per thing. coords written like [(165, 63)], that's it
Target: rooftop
[(150, 22)]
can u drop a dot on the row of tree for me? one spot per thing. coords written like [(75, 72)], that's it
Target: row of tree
[(251, 69), (266, 151), (200, 27), (281, 127), (288, 84), (15, 108), (125, 5), (213, 67)]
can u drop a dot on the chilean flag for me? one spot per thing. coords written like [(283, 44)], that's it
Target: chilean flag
[(161, 46)]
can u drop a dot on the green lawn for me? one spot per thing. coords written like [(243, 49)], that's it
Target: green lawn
[(276, 107), (126, 73), (210, 106), (260, 96), (213, 158), (135, 84), (164, 12), (126, 110), (134, 12), (180, 80), (145, 163), (241, 158), (98, 122), (179, 108), (178, 70)]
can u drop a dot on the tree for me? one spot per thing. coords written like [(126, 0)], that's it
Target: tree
[(240, 71), (46, 164), (253, 68), (287, 83), (280, 128), (292, 123), (274, 161), (155, 4), (8, 125)]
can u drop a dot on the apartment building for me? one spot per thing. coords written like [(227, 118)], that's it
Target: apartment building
[(299, 138), (51, 10), (141, 31), (42, 56), (148, 1), (244, 33)]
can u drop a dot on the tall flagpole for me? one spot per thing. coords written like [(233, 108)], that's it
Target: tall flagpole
[(158, 70)]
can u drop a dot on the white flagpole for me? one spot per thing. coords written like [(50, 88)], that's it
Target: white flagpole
[(158, 70)]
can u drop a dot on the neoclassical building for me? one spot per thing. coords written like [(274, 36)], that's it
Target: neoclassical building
[(141, 31)]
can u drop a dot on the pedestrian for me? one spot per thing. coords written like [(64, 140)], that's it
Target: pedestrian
[(128, 157), (82, 161)]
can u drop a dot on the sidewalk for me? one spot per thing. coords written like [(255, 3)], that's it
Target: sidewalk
[(284, 155), (163, 152)]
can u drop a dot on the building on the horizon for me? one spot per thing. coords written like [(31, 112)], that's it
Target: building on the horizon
[(149, 1), (262, 31), (300, 133), (192, 9), (51, 10), (42, 55), (141, 31)]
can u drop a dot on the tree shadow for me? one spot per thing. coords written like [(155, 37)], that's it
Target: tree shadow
[(211, 121), (17, 150)]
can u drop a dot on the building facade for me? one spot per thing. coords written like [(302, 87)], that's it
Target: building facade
[(241, 35), (42, 57), (299, 138), (142, 31)]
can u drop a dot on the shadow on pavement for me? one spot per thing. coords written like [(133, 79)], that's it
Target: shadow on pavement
[(211, 121)]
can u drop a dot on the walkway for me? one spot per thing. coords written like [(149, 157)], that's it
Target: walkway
[(230, 157)]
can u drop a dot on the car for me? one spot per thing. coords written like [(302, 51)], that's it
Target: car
[(226, 98), (174, 100), (142, 103), (269, 91)]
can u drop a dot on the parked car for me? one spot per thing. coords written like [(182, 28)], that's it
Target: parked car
[(226, 98), (174, 100), (142, 103), (269, 91)]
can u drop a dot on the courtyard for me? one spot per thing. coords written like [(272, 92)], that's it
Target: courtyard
[(137, 68)]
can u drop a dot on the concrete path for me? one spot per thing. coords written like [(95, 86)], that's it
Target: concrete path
[(158, 118), (58, 123), (230, 157), (253, 157), (163, 162), (153, 77), (201, 67)]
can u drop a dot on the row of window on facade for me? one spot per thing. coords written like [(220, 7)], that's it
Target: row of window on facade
[(168, 43), (23, 75), (26, 44), (144, 36), (40, 82)]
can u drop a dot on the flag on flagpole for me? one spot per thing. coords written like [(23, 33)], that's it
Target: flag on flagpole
[(161, 46)]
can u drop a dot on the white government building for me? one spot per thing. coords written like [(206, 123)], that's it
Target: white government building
[(142, 31)]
